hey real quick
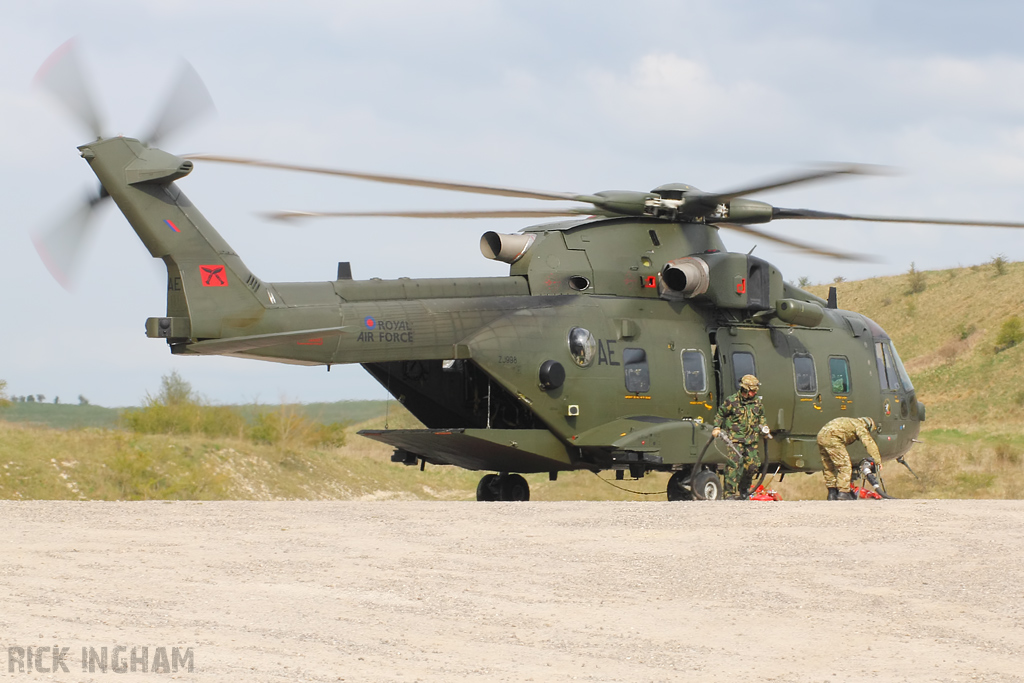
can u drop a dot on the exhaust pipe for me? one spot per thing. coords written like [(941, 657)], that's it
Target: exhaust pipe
[(685, 278), (506, 248)]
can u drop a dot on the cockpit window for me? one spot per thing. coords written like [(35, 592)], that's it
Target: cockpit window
[(888, 376), (902, 371)]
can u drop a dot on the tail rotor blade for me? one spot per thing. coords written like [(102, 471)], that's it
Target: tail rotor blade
[(62, 76), (187, 101), (60, 246)]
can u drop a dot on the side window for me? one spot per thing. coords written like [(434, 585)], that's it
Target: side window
[(839, 374), (638, 377), (695, 379), (806, 380), (742, 364)]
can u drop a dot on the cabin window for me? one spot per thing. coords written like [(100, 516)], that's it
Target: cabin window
[(742, 364), (582, 346), (695, 379), (839, 373), (806, 380), (638, 376)]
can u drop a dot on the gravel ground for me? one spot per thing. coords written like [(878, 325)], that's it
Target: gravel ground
[(427, 591)]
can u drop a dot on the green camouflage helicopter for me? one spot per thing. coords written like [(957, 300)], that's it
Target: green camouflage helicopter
[(608, 346)]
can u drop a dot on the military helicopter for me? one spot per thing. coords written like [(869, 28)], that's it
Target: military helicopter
[(608, 346)]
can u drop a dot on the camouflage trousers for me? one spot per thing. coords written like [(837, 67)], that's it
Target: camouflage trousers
[(739, 469), (836, 466)]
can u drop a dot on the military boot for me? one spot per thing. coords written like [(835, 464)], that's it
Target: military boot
[(833, 494), (845, 495)]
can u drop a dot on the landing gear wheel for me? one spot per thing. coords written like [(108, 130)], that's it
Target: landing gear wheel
[(514, 487), (486, 490), (707, 486), (677, 490)]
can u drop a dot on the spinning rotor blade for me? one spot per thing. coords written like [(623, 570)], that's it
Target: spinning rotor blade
[(802, 246), (60, 246), (809, 214), (513, 213), (399, 180), (61, 74), (187, 101), (785, 181)]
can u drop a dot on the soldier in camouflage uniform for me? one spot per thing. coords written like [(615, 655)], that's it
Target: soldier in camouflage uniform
[(741, 417), (833, 439)]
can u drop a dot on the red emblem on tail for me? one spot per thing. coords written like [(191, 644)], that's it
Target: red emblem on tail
[(213, 276)]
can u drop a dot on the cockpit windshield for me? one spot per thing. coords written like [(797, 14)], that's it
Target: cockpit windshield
[(904, 377), (892, 376)]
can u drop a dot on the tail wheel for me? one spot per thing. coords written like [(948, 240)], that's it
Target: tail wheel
[(707, 486)]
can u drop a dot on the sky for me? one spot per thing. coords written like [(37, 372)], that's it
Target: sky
[(566, 96)]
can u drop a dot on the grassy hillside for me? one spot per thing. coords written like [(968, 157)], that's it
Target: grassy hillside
[(946, 325), (947, 336)]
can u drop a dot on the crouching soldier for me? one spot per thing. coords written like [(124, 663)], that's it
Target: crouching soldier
[(833, 439), (741, 417)]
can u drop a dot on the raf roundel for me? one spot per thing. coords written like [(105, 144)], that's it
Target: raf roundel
[(370, 323)]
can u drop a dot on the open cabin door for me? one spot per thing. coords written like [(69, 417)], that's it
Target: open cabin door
[(749, 350)]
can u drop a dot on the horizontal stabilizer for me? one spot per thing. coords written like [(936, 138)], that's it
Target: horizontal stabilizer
[(214, 347)]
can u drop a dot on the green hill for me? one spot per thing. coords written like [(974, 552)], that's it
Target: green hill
[(947, 336)]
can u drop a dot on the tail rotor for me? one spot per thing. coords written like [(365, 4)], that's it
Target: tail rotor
[(61, 243)]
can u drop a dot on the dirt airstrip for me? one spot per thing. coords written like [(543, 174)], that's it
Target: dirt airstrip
[(407, 591)]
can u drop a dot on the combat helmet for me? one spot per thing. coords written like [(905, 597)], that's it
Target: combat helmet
[(749, 382)]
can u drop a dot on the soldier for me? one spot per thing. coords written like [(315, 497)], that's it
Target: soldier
[(833, 439), (741, 416)]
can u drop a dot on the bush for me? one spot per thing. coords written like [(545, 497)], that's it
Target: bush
[(916, 280), (804, 282), (999, 263), (1010, 334), (176, 409), (4, 401), (286, 427)]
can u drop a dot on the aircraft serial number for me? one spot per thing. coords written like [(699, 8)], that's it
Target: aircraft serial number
[(508, 359)]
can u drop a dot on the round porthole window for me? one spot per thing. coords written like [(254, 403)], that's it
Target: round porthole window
[(582, 346)]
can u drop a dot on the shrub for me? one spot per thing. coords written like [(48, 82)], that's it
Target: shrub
[(4, 401), (1010, 334), (286, 427), (916, 280), (964, 331), (176, 409), (838, 278), (999, 263), (804, 282)]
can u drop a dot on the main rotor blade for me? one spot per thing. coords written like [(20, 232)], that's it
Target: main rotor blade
[(400, 180), (801, 178), (187, 101), (513, 213), (60, 246), (61, 74), (809, 214), (802, 246)]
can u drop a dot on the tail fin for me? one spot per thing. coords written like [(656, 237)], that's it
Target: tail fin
[(210, 291)]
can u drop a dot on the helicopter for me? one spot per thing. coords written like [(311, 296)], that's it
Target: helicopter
[(618, 331)]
